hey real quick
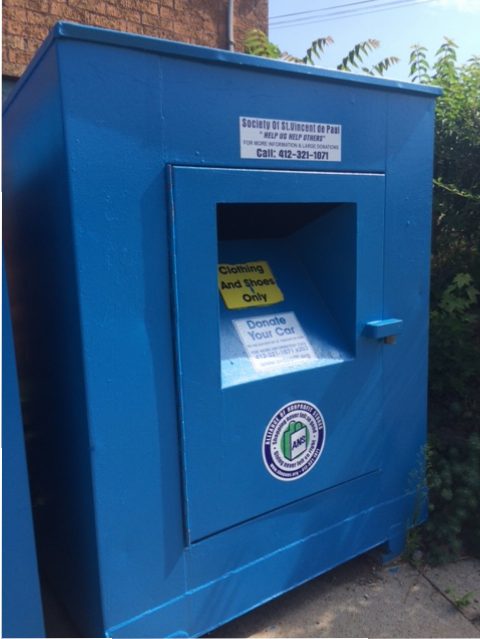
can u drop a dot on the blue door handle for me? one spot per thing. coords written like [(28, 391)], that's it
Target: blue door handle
[(386, 329)]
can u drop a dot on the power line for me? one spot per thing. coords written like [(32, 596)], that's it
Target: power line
[(339, 6), (347, 14)]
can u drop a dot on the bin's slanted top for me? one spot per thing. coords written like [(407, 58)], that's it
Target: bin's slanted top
[(73, 31)]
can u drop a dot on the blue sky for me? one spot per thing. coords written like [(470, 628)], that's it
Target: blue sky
[(398, 25)]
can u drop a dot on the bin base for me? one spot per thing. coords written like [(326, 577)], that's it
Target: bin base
[(263, 580)]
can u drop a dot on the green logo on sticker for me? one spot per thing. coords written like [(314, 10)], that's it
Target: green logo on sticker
[(295, 440)]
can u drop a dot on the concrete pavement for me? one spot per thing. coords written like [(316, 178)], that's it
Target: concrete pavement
[(364, 599)]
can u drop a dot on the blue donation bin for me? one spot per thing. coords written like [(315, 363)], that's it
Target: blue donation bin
[(221, 267), (22, 614)]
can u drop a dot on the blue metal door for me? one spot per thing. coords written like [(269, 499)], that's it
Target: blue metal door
[(321, 234)]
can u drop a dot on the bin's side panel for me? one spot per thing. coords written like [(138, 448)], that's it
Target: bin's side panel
[(22, 614), (41, 272), (114, 127), (406, 294)]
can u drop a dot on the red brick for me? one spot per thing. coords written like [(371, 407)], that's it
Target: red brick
[(36, 18), (152, 21), (100, 21), (148, 6), (36, 32), (166, 25), (166, 13), (42, 6), (9, 26), (26, 22), (133, 16), (146, 30), (87, 5), (114, 11), (19, 4), (57, 8), (17, 42), (14, 14), (19, 57), (127, 4)]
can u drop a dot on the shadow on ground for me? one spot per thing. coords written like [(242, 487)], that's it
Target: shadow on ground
[(364, 599)]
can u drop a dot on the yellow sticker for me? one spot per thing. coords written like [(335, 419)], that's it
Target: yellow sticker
[(249, 284)]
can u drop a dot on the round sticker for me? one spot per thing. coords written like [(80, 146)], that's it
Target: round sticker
[(293, 441)]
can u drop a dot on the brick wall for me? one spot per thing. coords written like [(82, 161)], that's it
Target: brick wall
[(26, 22)]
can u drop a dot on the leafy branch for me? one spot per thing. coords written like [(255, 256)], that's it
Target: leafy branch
[(354, 56), (451, 188), (382, 66), (257, 43), (316, 49), (419, 66), (446, 60)]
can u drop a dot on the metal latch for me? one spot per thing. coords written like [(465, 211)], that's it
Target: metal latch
[(386, 330)]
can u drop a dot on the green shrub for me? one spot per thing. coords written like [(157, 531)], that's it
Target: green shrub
[(454, 386), (454, 463)]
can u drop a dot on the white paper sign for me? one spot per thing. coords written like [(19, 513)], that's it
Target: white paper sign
[(267, 139), (273, 342)]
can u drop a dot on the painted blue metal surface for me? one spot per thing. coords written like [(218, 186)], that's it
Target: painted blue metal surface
[(22, 614), (379, 329), (220, 393), (124, 187)]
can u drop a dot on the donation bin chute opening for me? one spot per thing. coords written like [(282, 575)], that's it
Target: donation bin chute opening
[(275, 259)]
